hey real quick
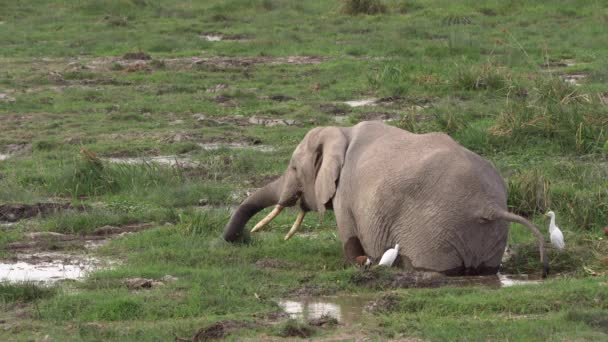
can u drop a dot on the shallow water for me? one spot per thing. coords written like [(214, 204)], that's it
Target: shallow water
[(508, 280), (47, 267), (345, 309), (348, 309)]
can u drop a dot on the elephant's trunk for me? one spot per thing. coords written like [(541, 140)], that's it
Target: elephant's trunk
[(263, 198)]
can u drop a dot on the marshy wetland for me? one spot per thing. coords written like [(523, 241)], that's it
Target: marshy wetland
[(129, 131)]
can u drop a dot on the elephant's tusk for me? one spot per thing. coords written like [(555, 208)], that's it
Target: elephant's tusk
[(276, 211), (296, 225)]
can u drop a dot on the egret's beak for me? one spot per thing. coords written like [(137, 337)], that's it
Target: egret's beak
[(547, 214)]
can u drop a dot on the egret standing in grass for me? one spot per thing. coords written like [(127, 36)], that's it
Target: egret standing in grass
[(557, 238), (388, 258)]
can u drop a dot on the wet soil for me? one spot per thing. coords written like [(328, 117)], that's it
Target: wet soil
[(52, 241), (379, 279), (16, 212), (111, 63)]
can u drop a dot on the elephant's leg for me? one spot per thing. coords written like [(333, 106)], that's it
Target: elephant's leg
[(347, 232), (352, 249)]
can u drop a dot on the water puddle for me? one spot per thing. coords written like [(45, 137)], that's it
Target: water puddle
[(212, 37), (345, 309), (217, 37), (361, 103), (48, 267), (508, 280)]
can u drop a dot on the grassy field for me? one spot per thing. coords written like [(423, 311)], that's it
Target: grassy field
[(86, 84)]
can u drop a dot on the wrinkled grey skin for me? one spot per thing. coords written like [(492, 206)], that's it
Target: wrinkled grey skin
[(444, 205)]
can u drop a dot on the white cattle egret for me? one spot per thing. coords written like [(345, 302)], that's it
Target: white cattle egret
[(557, 238), (389, 256)]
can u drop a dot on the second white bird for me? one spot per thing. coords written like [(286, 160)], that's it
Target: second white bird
[(557, 238), (389, 256)]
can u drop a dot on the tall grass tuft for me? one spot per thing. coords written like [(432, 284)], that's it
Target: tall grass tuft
[(24, 292), (483, 77), (557, 114), (202, 222), (529, 193)]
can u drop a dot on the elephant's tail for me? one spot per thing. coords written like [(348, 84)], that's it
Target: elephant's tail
[(505, 215)]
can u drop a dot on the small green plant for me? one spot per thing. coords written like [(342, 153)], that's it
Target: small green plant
[(356, 7)]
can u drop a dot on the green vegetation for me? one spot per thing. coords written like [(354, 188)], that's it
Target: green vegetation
[(198, 123)]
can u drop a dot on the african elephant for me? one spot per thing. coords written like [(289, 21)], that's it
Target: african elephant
[(444, 205)]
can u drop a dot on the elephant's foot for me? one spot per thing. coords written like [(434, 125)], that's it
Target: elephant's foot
[(352, 249)]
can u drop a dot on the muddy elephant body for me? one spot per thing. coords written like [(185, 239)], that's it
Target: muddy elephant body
[(444, 205)]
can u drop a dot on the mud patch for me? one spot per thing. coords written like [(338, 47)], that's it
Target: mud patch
[(218, 330), (145, 283), (137, 56), (240, 120), (16, 212), (15, 149), (378, 116), (6, 98), (235, 145), (176, 161), (335, 109), (268, 122), (278, 98), (564, 63), (110, 63)]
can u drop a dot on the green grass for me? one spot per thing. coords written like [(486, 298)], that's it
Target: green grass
[(490, 75)]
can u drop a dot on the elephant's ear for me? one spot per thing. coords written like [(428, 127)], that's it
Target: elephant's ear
[(331, 149)]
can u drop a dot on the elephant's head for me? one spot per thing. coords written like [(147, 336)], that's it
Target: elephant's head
[(311, 177)]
